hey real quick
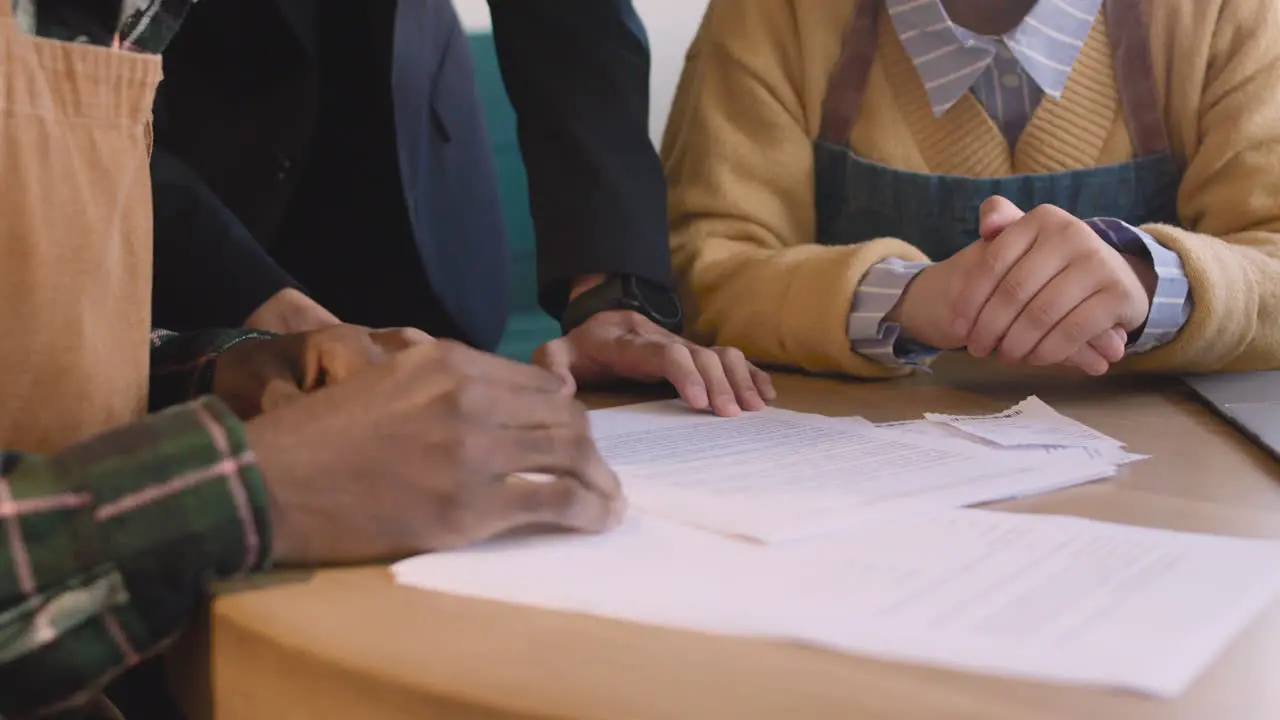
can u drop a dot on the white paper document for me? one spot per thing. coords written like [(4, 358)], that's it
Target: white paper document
[(1029, 423), (775, 475), (1047, 598), (924, 430)]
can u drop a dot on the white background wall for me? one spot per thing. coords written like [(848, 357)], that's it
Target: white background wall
[(670, 24)]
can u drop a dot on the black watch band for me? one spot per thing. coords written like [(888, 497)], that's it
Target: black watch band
[(625, 292)]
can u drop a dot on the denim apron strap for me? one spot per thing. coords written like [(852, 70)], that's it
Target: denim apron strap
[(1130, 47), (1135, 80), (843, 100)]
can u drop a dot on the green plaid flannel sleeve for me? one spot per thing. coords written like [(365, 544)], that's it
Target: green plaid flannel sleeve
[(106, 548)]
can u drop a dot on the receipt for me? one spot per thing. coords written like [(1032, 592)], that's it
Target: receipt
[(1029, 423)]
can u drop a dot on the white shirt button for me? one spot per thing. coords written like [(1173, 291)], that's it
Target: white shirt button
[(1010, 80), (1004, 51)]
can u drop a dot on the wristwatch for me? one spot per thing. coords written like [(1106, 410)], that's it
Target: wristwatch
[(625, 292)]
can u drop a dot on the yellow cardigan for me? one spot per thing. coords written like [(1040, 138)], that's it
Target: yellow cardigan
[(738, 156)]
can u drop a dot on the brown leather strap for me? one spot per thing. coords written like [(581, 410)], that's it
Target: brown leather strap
[(1130, 48), (849, 78), (1135, 79)]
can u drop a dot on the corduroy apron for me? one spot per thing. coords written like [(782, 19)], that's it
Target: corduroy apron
[(75, 237)]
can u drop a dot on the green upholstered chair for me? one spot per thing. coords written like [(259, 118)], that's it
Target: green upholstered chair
[(527, 326)]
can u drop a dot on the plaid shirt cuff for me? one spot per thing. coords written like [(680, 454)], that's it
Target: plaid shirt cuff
[(110, 546), (869, 333), (1171, 303), (182, 365)]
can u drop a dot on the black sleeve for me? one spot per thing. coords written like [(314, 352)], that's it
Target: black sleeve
[(208, 270), (577, 73)]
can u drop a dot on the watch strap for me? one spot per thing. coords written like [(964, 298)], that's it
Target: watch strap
[(618, 292)]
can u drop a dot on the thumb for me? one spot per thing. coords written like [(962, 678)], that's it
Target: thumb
[(557, 357), (995, 215)]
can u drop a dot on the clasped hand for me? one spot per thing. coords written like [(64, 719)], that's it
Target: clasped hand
[(1040, 287)]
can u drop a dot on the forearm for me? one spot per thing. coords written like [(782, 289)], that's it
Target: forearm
[(111, 546), (208, 270), (596, 189)]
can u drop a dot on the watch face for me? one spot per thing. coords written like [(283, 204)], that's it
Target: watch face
[(661, 302)]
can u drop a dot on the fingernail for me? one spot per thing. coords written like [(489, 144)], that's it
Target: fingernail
[(727, 406)]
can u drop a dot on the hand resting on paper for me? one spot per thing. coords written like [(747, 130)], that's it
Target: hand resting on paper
[(417, 453), (625, 345)]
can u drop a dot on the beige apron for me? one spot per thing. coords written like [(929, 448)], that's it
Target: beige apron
[(75, 237)]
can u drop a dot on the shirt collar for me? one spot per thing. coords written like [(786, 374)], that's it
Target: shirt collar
[(949, 58)]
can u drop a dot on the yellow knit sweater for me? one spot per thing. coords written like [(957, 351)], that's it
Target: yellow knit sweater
[(738, 156)]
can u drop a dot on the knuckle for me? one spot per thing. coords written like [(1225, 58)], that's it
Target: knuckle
[(730, 354), (704, 356), (1047, 213), (635, 321), (411, 336), (1040, 315), (465, 399), (1097, 264), (1073, 332), (992, 262), (1014, 289), (452, 354), (676, 354), (343, 334), (1095, 250)]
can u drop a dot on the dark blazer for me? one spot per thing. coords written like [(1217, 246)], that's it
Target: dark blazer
[(390, 214)]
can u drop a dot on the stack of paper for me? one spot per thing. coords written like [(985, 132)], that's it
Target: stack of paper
[(776, 475), (859, 545)]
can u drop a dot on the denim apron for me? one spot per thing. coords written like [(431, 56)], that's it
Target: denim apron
[(858, 200)]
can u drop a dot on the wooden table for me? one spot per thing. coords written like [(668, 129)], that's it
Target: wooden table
[(349, 644)]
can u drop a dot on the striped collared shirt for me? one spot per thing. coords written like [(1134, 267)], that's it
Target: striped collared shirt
[(1010, 75)]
